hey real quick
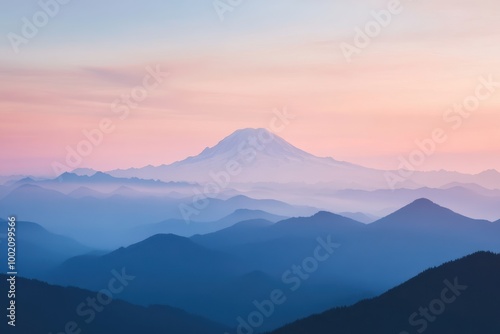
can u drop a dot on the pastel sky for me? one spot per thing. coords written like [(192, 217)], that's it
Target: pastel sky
[(231, 74)]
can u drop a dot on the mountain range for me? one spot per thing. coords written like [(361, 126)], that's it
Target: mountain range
[(217, 234), (270, 170), (461, 296), (257, 155), (257, 253)]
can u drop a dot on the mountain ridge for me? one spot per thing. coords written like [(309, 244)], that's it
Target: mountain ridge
[(471, 279), (118, 316)]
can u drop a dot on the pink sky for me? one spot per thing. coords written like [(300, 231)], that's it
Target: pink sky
[(232, 75)]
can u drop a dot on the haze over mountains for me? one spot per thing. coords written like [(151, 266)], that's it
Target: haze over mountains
[(250, 167), (261, 166), (216, 234), (99, 221)]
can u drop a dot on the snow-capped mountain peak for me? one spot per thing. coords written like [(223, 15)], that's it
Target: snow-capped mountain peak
[(247, 142)]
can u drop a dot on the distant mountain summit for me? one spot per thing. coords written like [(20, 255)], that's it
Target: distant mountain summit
[(84, 171), (260, 156), (255, 155), (426, 216), (262, 140), (422, 208)]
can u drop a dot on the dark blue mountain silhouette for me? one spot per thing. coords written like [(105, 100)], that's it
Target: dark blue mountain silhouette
[(475, 307), (42, 308), (170, 270)]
